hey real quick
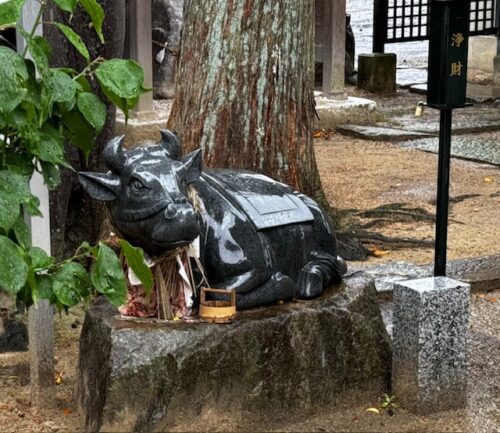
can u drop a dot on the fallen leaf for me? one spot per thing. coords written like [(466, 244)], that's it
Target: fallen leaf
[(322, 133), (373, 410), (377, 252), (488, 179), (491, 299), (59, 377), (67, 411)]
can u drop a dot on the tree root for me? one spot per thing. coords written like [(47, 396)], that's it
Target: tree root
[(395, 242), (354, 236)]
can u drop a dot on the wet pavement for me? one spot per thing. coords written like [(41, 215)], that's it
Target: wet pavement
[(482, 147), (475, 129), (479, 118)]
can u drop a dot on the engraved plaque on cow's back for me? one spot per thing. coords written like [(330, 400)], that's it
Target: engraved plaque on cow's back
[(266, 202)]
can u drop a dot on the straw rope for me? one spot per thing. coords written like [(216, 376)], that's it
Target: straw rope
[(168, 283)]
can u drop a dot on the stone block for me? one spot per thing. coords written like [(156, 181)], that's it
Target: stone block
[(146, 376), (482, 50), (377, 72), (430, 322)]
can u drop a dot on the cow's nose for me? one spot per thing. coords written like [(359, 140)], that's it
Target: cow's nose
[(180, 200), (170, 211)]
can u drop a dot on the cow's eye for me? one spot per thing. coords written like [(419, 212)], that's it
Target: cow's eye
[(136, 185)]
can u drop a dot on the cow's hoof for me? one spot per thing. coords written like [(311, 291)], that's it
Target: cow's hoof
[(310, 282)]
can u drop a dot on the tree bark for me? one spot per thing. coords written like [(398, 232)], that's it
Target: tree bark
[(74, 216), (245, 87)]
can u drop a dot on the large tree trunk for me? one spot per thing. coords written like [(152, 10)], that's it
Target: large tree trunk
[(74, 216), (245, 87)]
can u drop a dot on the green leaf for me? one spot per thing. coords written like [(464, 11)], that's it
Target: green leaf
[(121, 81), (15, 184), (14, 188), (71, 284), (34, 87), (93, 109), (25, 296), (96, 14), (9, 210), (51, 174), (19, 162), (37, 47), (49, 150), (62, 87), (10, 12), (66, 5), (85, 247), (13, 73), (135, 259), (32, 206), (74, 39), (107, 276), (22, 233), (13, 268), (79, 132), (84, 83), (44, 45), (40, 260), (44, 288)]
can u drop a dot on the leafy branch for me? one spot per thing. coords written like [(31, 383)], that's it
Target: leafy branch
[(41, 108)]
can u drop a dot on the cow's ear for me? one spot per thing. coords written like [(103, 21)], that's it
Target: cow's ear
[(192, 165), (104, 187)]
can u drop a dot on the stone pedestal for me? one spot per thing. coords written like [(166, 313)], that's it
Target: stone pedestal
[(429, 370), (145, 376), (377, 72)]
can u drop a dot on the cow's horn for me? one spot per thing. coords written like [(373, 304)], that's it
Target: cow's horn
[(113, 154), (170, 142)]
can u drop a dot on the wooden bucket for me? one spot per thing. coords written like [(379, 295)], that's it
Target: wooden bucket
[(217, 311)]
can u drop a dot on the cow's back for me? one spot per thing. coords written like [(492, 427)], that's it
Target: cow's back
[(266, 202)]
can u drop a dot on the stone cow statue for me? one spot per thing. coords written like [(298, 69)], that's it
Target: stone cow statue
[(257, 236)]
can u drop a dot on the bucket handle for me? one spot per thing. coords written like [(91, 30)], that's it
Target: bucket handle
[(231, 293)]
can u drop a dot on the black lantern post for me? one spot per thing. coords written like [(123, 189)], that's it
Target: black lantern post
[(447, 83)]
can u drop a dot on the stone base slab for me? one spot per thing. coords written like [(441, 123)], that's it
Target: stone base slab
[(145, 376), (332, 111)]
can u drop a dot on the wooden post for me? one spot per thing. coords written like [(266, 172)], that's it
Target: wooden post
[(141, 50), (379, 25), (334, 48), (41, 315)]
